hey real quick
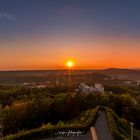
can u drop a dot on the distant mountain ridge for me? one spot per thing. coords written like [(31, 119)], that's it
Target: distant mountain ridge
[(42, 76), (121, 71), (22, 77)]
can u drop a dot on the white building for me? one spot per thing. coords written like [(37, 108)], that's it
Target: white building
[(89, 89), (100, 88), (138, 82), (128, 82)]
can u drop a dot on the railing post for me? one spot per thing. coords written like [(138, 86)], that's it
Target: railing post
[(131, 123)]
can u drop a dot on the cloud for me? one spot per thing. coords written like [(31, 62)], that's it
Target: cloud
[(6, 16)]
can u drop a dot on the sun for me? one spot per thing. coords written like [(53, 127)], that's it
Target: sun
[(70, 63)]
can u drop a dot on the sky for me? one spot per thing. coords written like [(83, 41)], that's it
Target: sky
[(43, 34)]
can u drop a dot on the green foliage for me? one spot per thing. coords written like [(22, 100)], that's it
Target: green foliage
[(26, 108), (120, 127), (115, 89), (49, 129), (118, 136)]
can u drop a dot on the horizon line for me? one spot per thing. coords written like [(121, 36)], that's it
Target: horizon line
[(62, 69)]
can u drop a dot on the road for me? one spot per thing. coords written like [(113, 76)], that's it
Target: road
[(102, 127)]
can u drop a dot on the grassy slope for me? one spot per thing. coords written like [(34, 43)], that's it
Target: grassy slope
[(83, 122), (120, 127)]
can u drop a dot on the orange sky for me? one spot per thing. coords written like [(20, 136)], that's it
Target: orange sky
[(88, 53), (44, 34)]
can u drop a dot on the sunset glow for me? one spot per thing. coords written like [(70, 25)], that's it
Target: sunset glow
[(70, 63), (97, 38)]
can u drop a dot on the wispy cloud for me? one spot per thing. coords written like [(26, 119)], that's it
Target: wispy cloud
[(7, 16)]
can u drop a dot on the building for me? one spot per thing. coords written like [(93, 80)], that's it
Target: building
[(99, 88), (84, 88)]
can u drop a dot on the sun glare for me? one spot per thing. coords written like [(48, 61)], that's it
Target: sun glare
[(70, 63)]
